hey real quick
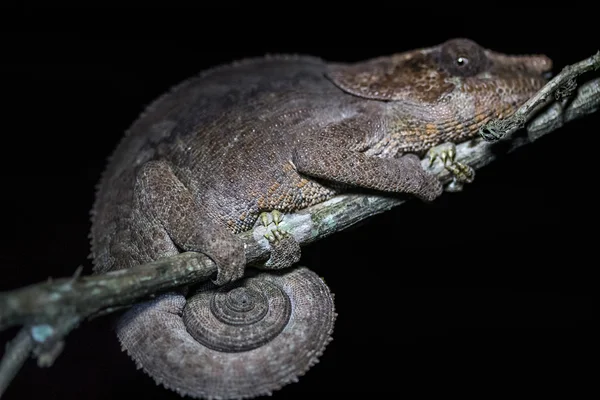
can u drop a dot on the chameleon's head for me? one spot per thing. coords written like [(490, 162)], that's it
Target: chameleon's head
[(456, 83)]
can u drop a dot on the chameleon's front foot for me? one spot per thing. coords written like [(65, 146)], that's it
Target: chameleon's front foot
[(461, 173), (285, 250)]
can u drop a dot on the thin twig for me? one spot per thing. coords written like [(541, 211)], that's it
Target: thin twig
[(17, 352), (47, 302), (52, 309)]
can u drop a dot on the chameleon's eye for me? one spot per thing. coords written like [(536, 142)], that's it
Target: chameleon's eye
[(462, 57), (461, 60)]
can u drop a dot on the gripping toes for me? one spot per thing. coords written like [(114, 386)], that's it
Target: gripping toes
[(285, 250), (461, 173), (446, 152)]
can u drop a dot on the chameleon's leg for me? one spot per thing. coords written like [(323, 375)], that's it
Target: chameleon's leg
[(161, 196), (461, 173), (285, 249), (335, 155)]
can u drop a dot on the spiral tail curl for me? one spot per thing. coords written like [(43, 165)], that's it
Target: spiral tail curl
[(241, 340)]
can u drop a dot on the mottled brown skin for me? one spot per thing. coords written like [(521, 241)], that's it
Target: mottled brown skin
[(283, 133)]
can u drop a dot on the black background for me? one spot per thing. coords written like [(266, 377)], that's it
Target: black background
[(488, 290)]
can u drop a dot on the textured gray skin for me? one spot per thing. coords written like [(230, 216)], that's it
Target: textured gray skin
[(283, 133), (202, 354)]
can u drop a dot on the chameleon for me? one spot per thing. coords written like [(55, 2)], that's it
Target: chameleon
[(265, 136)]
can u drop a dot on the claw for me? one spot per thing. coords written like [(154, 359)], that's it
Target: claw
[(432, 157), (453, 168), (274, 234), (278, 234), (264, 219), (444, 157), (451, 153), (445, 151), (461, 172), (277, 217)]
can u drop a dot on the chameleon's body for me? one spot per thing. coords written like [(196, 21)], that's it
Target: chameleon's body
[(283, 133)]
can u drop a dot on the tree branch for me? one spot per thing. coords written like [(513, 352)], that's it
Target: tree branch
[(17, 351), (50, 310)]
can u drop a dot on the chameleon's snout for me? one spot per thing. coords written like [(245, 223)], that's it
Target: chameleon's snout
[(540, 64), (532, 64)]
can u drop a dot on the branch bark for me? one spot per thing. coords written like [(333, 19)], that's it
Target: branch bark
[(49, 311), (17, 351)]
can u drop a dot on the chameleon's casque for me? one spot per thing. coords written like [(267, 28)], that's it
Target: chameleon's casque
[(276, 133)]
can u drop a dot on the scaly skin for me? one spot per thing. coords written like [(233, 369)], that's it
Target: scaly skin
[(286, 132), (233, 134)]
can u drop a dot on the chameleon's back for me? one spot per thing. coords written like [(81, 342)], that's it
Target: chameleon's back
[(227, 132)]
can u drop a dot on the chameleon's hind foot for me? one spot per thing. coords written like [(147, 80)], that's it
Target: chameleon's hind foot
[(285, 249), (461, 173)]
